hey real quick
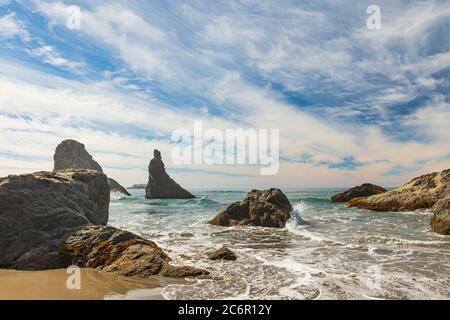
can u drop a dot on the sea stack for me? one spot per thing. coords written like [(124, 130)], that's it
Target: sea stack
[(265, 208), (71, 154), (160, 185)]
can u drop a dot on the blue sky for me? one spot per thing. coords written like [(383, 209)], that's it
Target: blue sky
[(353, 105)]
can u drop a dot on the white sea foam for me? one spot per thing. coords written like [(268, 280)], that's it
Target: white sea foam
[(296, 215), (326, 258)]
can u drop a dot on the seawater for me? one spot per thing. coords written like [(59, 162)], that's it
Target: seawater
[(326, 251)]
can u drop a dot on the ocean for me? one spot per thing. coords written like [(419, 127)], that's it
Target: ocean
[(326, 251)]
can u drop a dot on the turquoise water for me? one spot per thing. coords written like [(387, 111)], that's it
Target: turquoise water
[(326, 251)]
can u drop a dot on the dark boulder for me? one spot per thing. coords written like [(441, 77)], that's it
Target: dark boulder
[(266, 208), (113, 250), (221, 254), (38, 211), (160, 185), (364, 190), (52, 220)]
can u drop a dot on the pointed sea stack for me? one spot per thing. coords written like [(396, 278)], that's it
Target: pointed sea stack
[(71, 154), (160, 185)]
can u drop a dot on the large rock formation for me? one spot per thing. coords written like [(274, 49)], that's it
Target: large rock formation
[(364, 190), (440, 221), (37, 212), (71, 154), (420, 193), (55, 219), (430, 191), (160, 185), (266, 208)]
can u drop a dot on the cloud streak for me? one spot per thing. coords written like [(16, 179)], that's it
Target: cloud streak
[(361, 105)]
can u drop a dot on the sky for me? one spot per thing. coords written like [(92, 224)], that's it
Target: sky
[(352, 104)]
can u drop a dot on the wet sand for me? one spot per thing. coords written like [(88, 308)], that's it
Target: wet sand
[(95, 285)]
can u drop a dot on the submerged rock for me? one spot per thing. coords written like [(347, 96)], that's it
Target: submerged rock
[(364, 190), (221, 254), (160, 185), (71, 154), (266, 208), (440, 221), (39, 210), (420, 193)]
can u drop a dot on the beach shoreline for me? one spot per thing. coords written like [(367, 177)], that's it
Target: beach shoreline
[(95, 285)]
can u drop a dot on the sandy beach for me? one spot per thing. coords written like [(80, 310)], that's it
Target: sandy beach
[(95, 285)]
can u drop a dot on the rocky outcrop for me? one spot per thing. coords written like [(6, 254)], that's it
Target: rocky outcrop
[(71, 154), (420, 193), (160, 185), (266, 208), (364, 190), (52, 220), (221, 254), (113, 250), (38, 211), (440, 221)]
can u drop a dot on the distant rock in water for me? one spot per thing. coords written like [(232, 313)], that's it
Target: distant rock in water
[(39, 210), (137, 186), (51, 220), (160, 185), (364, 190), (71, 154), (420, 193), (440, 221), (266, 208)]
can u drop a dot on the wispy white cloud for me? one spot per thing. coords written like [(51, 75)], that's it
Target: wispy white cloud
[(10, 28), (245, 60)]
